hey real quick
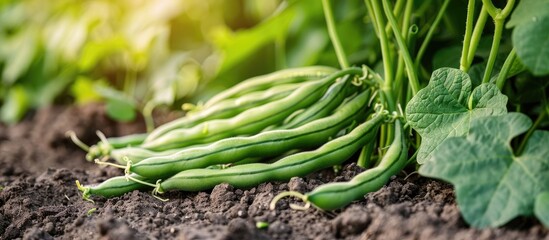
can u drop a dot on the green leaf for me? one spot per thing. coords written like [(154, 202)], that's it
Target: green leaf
[(19, 53), (120, 110), (235, 47), (446, 107), (492, 185), (94, 52), (15, 105), (527, 10), (83, 90), (119, 106), (531, 40), (541, 208), (447, 57)]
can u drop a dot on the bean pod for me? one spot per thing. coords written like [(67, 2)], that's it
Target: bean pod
[(250, 121), (112, 187), (225, 109), (332, 153), (269, 80), (265, 144), (337, 195), (332, 99)]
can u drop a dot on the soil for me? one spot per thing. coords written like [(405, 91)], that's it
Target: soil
[(39, 199)]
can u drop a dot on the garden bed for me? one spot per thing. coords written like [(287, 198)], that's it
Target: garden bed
[(39, 199)]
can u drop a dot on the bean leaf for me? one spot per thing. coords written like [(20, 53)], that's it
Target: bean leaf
[(541, 209), (527, 10), (532, 43), (447, 105), (492, 184)]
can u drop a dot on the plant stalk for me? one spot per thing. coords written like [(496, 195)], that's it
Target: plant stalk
[(463, 64), (410, 68), (328, 15), (502, 77)]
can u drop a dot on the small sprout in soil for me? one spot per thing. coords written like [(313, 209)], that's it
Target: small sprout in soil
[(91, 211), (337, 169), (261, 225), (299, 195), (85, 191)]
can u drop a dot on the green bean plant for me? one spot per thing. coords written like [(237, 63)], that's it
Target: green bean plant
[(448, 93)]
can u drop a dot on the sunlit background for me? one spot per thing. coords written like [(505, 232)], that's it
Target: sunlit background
[(139, 55)]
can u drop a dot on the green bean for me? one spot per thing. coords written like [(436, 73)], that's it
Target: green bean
[(104, 147), (250, 121), (265, 144), (128, 140), (137, 154), (267, 81), (112, 187), (333, 98), (337, 195), (225, 109), (331, 153)]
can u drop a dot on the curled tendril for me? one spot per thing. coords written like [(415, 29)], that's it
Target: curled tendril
[(365, 72), (77, 141), (374, 95), (85, 191), (102, 162), (357, 82), (299, 195)]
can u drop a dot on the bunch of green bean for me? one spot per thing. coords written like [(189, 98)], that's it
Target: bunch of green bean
[(267, 128)]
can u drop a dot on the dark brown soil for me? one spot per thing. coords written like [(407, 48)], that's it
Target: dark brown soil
[(39, 199)]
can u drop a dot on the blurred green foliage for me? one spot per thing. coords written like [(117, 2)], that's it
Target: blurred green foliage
[(137, 55), (125, 53)]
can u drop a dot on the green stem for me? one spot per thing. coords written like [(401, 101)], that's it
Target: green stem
[(372, 15), (475, 38), (411, 32), (431, 32), (280, 51), (387, 88), (396, 12), (384, 42), (147, 115), (499, 17), (506, 68), (410, 68), (399, 85), (341, 57), (490, 8), (538, 121), (467, 39), (410, 39), (494, 50)]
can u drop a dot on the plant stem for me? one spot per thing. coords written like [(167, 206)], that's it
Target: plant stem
[(387, 87), (396, 11), (467, 39), (499, 17), (540, 118), (328, 15), (494, 50), (411, 33), (372, 14), (431, 32), (280, 51), (384, 43), (399, 85), (490, 8), (147, 115), (506, 68), (475, 38), (410, 68)]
